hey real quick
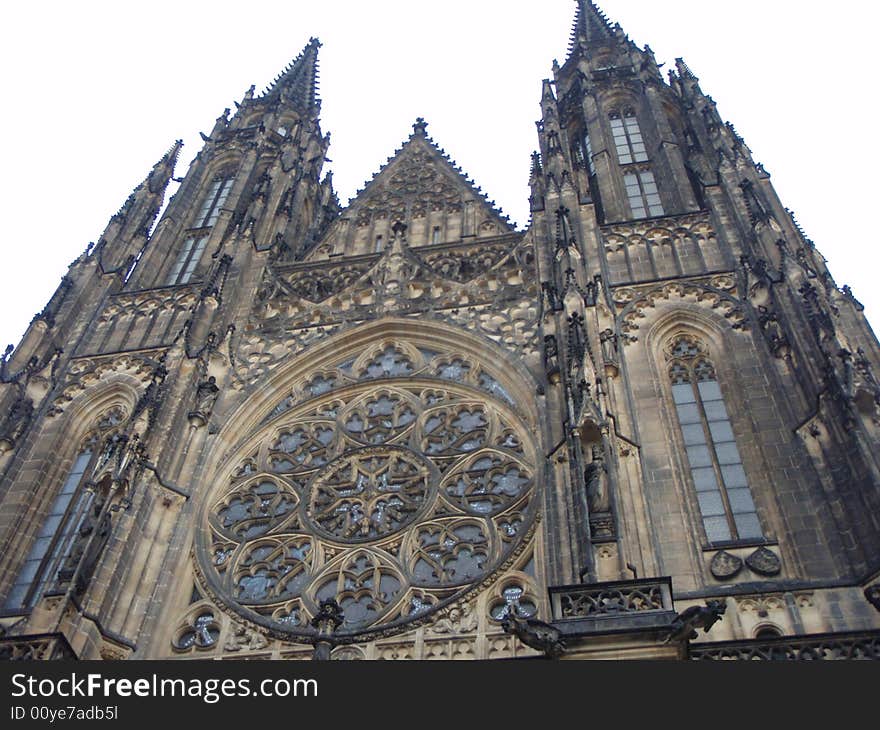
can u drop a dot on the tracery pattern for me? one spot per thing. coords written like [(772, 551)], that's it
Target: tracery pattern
[(395, 483)]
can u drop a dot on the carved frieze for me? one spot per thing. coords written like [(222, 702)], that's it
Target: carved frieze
[(647, 250), (487, 291), (144, 318)]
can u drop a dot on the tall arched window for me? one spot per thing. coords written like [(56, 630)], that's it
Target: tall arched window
[(187, 260), (54, 537), (716, 468), (628, 137), (53, 541), (190, 253), (216, 196)]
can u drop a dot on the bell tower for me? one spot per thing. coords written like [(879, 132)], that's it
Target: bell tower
[(716, 387)]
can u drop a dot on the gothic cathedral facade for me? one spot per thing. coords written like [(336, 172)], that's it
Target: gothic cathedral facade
[(268, 426)]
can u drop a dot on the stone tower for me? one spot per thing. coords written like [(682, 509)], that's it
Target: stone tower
[(269, 426)]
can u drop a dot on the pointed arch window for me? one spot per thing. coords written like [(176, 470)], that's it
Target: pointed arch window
[(642, 193), (583, 151), (216, 196), (187, 260), (56, 535), (726, 506), (628, 137)]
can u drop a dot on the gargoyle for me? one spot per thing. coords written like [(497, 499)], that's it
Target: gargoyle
[(536, 634), (685, 625)]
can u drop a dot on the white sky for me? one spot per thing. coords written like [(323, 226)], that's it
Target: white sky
[(94, 93)]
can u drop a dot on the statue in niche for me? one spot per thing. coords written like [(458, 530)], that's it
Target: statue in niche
[(206, 397), (91, 538), (596, 480), (551, 357)]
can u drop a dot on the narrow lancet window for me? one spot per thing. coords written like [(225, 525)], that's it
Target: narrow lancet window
[(643, 195), (187, 260), (54, 538), (628, 138), (217, 194), (726, 506)]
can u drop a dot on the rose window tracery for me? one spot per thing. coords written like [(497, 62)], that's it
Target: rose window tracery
[(394, 483), (369, 494)]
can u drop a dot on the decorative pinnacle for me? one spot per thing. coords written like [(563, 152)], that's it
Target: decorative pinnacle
[(683, 70), (536, 166), (420, 128)]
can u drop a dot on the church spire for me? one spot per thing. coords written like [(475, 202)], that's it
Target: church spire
[(162, 171), (591, 26), (299, 81), (129, 227)]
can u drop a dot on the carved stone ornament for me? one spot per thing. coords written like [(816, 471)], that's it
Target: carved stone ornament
[(244, 638), (456, 621), (725, 566), (347, 654), (764, 562)]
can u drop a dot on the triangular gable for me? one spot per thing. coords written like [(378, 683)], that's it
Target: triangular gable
[(421, 187)]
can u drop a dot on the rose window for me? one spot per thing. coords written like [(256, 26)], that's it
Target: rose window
[(394, 484)]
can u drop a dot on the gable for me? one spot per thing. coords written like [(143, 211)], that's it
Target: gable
[(421, 187)]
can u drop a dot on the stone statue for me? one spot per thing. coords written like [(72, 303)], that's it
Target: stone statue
[(609, 345), (685, 625), (206, 397), (86, 549), (596, 480)]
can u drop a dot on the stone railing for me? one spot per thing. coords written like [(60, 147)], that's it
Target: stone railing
[(36, 647), (816, 647), (611, 599)]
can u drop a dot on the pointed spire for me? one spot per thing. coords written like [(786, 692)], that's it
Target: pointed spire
[(684, 71), (591, 26), (160, 176), (151, 191), (129, 228), (299, 81)]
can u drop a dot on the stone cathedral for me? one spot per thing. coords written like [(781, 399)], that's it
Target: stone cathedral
[(269, 426)]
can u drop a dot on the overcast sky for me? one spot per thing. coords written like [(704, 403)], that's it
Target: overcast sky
[(95, 92)]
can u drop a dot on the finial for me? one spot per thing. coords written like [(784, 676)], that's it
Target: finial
[(420, 128)]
